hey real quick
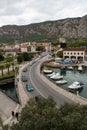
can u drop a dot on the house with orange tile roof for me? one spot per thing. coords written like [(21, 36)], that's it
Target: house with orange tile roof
[(23, 48)]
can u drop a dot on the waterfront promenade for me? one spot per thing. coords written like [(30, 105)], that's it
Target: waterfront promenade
[(7, 105)]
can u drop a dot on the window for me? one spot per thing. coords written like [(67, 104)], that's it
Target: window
[(82, 53)]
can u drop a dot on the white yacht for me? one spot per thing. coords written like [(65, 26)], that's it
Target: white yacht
[(61, 82), (54, 75), (75, 86)]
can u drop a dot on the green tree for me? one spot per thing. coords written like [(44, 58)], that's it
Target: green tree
[(2, 127), (25, 56), (9, 58), (2, 68), (1, 57), (39, 48), (56, 43), (19, 59), (42, 114), (13, 64), (60, 54), (8, 66)]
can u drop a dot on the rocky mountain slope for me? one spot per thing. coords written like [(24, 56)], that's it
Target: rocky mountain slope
[(44, 31)]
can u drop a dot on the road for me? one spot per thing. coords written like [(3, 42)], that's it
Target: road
[(42, 87)]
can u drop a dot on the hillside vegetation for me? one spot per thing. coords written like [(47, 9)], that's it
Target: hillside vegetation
[(70, 28)]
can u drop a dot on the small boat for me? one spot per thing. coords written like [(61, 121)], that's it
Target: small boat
[(80, 68), (53, 73), (75, 86), (61, 82), (70, 68), (56, 77), (46, 71)]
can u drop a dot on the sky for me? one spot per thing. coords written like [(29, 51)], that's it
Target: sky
[(23, 12)]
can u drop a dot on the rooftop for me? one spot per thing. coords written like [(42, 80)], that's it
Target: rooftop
[(74, 49)]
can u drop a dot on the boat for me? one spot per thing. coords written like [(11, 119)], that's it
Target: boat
[(56, 77), (80, 68), (61, 82), (70, 68), (75, 86), (47, 71), (53, 73)]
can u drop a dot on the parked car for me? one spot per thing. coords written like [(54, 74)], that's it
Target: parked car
[(25, 69), (24, 79), (29, 87)]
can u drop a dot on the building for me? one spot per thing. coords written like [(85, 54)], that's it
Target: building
[(75, 53), (31, 46), (23, 48)]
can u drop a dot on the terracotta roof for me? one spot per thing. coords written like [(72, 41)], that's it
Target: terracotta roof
[(23, 46), (74, 49)]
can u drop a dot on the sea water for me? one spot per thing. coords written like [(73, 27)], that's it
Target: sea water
[(72, 76)]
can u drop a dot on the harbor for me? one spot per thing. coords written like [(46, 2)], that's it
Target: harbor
[(69, 77)]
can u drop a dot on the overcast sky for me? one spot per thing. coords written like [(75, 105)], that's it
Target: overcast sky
[(22, 12)]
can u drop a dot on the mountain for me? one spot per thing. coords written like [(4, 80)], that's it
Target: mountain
[(45, 31)]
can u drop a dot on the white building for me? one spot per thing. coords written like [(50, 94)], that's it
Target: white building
[(23, 48), (74, 53)]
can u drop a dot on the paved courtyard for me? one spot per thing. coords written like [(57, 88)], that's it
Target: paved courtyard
[(7, 105)]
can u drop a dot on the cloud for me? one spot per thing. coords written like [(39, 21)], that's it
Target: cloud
[(30, 11)]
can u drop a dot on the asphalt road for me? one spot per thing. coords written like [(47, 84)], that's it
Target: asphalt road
[(42, 87)]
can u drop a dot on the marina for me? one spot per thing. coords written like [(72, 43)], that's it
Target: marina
[(71, 76)]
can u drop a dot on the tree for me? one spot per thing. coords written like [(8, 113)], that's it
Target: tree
[(8, 66), (39, 48), (1, 57), (42, 114), (1, 68), (9, 58), (60, 54), (25, 56), (2, 127), (19, 59), (13, 64)]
